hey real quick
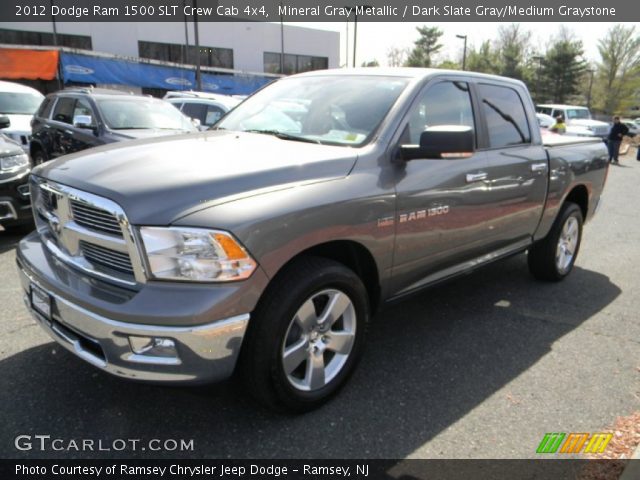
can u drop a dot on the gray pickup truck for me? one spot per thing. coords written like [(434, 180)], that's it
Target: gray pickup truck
[(263, 247)]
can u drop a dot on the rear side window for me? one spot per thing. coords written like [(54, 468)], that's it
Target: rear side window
[(213, 115), (45, 108), (195, 110), (505, 115), (64, 110)]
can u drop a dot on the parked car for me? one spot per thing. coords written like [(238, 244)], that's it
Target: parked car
[(576, 116), (634, 129), (266, 251), (19, 103), (206, 108), (547, 121), (79, 118), (15, 207)]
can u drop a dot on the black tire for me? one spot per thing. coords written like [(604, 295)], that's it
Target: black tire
[(38, 157), (273, 327), (542, 258)]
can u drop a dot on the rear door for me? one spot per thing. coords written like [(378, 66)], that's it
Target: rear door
[(518, 166)]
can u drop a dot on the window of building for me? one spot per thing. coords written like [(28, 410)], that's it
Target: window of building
[(21, 37), (293, 63), (169, 52), (505, 114)]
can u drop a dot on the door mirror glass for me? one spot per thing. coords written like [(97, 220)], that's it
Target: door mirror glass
[(442, 142), (83, 121), (4, 121)]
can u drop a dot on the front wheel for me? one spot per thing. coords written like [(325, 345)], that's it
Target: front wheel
[(553, 257), (306, 335)]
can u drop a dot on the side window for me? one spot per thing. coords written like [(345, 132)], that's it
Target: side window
[(445, 103), (195, 110), (45, 108), (83, 108), (505, 114), (213, 115), (64, 110)]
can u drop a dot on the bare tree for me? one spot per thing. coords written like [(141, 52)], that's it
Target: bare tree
[(396, 56), (619, 69), (513, 46)]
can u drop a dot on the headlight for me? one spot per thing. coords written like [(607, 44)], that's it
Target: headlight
[(195, 254), (14, 162)]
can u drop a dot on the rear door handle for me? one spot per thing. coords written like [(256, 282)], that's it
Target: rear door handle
[(70, 132), (538, 167), (476, 177)]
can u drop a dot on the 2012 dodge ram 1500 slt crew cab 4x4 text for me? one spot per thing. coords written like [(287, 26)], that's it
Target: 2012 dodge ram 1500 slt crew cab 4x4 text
[(264, 247)]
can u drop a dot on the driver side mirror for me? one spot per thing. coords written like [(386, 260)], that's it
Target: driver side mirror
[(83, 121), (441, 142), (4, 121)]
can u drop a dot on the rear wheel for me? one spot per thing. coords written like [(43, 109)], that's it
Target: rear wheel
[(552, 258), (306, 336)]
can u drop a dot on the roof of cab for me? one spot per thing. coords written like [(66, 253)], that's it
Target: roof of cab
[(406, 72)]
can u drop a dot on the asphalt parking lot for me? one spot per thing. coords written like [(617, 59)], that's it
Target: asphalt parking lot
[(481, 367)]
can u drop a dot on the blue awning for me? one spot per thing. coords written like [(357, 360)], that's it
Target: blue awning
[(87, 69), (233, 84)]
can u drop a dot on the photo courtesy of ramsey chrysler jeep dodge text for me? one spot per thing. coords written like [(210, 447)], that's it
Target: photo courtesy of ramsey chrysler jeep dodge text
[(262, 248)]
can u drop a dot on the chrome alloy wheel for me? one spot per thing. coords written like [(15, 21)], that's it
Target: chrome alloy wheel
[(319, 340), (567, 244)]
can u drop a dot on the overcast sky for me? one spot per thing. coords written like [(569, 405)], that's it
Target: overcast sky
[(374, 39)]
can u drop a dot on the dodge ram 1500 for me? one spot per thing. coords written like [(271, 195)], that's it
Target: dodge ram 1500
[(263, 247)]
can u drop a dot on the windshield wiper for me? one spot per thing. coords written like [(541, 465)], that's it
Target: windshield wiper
[(284, 136)]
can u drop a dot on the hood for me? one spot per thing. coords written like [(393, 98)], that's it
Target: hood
[(19, 123), (8, 146), (160, 180), (144, 133)]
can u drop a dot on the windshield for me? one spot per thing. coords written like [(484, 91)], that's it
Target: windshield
[(578, 114), (142, 113), (332, 110), (19, 103)]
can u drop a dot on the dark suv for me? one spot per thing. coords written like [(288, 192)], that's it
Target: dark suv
[(76, 119)]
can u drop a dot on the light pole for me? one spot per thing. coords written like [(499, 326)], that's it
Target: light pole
[(55, 44), (355, 29), (197, 40), (464, 51), (281, 43), (591, 72)]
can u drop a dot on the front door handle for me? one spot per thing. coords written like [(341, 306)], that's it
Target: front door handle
[(476, 177), (69, 132), (538, 167)]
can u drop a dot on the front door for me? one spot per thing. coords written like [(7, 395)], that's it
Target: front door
[(441, 217)]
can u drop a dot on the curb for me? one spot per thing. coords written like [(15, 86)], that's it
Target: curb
[(632, 470)]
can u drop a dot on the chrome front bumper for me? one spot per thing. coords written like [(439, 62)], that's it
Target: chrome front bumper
[(205, 353)]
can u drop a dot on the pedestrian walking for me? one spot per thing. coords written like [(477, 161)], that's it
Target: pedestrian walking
[(616, 134)]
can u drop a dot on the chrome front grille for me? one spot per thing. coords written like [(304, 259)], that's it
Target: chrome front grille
[(95, 218), (102, 257), (86, 231)]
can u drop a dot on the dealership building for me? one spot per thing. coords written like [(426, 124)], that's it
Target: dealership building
[(226, 51)]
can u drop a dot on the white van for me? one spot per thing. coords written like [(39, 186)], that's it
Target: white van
[(19, 103), (577, 116)]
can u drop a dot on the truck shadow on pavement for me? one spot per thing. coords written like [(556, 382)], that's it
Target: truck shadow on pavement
[(429, 361)]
